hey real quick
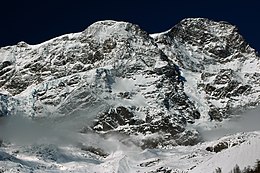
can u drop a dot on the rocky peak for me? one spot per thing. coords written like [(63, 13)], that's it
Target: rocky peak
[(212, 43), (103, 30), (114, 68), (225, 65)]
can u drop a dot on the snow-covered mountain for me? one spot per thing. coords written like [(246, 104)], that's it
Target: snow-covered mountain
[(220, 67), (115, 99)]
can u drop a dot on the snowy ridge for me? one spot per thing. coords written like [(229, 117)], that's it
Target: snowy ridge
[(115, 99)]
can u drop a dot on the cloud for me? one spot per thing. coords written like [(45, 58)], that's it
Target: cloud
[(62, 130), (246, 122)]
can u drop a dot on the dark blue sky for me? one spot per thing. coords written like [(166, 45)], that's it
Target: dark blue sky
[(35, 21)]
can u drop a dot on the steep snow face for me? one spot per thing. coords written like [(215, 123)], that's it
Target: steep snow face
[(220, 67), (114, 64)]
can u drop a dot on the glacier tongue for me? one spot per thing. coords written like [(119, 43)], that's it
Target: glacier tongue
[(118, 99)]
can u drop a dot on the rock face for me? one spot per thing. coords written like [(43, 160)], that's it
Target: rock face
[(137, 84), (220, 67)]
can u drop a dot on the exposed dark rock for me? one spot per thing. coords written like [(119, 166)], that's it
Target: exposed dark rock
[(113, 118), (97, 151), (220, 146), (150, 163), (215, 114), (163, 170)]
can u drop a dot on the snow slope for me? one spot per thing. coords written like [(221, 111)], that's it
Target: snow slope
[(244, 155)]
